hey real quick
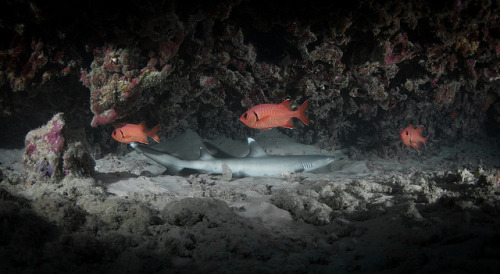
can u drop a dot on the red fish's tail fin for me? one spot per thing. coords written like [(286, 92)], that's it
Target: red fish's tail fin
[(153, 133), (424, 140), (301, 113)]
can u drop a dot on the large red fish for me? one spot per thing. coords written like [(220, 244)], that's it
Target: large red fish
[(412, 137), (131, 133), (266, 116)]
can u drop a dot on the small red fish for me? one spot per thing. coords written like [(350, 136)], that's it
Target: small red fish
[(412, 137), (266, 116), (131, 133)]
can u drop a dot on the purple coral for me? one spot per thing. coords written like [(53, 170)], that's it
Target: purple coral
[(45, 169)]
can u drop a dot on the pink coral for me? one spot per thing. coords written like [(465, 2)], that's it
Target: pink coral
[(55, 137), (106, 117)]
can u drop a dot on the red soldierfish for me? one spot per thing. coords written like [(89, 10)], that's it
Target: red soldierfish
[(266, 116), (131, 133), (411, 137)]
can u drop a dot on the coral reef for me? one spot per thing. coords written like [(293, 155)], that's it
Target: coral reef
[(116, 81), (52, 153), (45, 62), (201, 66)]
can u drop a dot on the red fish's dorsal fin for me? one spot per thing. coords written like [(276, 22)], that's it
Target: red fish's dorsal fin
[(420, 130), (143, 125), (287, 104)]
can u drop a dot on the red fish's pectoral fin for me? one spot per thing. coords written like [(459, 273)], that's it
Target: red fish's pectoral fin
[(263, 123), (289, 123), (287, 104)]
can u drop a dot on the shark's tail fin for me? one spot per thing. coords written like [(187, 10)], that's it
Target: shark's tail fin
[(173, 164)]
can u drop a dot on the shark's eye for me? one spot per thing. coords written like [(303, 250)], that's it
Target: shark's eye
[(256, 116)]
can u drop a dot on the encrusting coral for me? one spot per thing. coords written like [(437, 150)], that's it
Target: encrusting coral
[(53, 152)]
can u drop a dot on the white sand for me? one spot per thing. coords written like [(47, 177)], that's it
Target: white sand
[(423, 213)]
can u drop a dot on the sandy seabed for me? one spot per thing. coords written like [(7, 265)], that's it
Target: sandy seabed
[(428, 213)]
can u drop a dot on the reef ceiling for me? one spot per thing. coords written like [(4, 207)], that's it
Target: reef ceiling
[(368, 68)]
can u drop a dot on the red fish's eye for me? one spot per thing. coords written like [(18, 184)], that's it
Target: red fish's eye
[(114, 132), (406, 133), (245, 115)]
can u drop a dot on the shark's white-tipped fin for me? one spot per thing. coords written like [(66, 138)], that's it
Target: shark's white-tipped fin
[(204, 155), (136, 147), (255, 149)]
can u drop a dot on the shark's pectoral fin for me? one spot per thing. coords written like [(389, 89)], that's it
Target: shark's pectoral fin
[(298, 170), (173, 164)]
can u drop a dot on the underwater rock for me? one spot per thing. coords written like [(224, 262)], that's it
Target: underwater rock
[(52, 152), (303, 206)]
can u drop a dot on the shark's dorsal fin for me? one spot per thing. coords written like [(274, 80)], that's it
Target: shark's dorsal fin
[(204, 155), (255, 149)]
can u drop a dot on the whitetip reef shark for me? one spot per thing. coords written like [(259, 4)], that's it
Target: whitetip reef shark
[(256, 163)]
